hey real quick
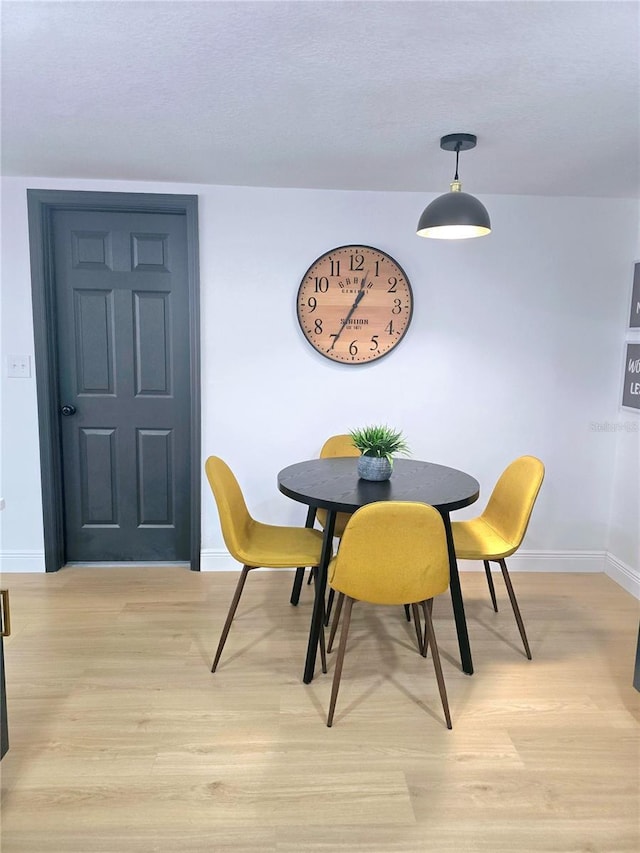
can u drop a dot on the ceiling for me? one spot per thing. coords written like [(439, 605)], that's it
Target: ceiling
[(333, 94)]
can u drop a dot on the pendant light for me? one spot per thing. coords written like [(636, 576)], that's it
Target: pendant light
[(455, 215)]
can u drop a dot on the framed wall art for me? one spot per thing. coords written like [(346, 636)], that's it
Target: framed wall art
[(634, 313), (631, 386)]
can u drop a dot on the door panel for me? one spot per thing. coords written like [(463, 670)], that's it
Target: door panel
[(152, 312), (94, 356), (122, 307), (97, 475), (155, 474)]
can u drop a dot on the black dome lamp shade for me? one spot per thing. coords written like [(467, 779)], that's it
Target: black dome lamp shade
[(455, 215)]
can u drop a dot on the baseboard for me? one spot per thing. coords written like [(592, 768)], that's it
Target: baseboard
[(546, 561), (624, 575), (523, 561), (21, 561), (217, 561)]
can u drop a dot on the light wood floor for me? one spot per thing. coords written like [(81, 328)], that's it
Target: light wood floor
[(122, 740)]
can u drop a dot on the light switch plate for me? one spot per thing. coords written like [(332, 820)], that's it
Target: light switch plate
[(19, 366)]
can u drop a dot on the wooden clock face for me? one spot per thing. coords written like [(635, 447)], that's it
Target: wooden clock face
[(354, 304)]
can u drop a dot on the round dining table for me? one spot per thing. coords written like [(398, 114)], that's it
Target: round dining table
[(334, 485)]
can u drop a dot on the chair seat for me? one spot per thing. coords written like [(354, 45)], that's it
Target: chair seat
[(279, 547), (477, 540)]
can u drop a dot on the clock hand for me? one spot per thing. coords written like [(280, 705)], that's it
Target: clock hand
[(358, 298)]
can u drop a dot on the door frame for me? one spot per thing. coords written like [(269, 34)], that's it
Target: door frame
[(41, 205)]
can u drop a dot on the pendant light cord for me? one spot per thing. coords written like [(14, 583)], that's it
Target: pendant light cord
[(455, 177)]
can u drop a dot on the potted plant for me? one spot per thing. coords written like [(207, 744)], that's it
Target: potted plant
[(377, 444)]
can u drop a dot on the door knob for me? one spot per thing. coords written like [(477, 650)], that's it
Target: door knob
[(67, 411)]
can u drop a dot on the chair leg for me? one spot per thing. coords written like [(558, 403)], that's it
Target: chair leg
[(232, 612), (516, 609), (425, 605), (407, 612), (330, 598), (416, 622), (340, 659), (297, 585), (492, 589), (336, 620), (430, 633), (323, 650)]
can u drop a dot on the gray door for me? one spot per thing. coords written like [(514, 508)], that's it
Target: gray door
[(122, 306)]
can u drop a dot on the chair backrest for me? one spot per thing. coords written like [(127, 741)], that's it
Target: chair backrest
[(338, 445), (235, 520), (392, 552), (510, 505)]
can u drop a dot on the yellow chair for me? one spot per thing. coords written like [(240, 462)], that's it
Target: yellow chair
[(254, 544), (499, 531), (392, 552), (335, 446)]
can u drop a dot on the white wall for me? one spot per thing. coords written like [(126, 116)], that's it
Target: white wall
[(514, 347)]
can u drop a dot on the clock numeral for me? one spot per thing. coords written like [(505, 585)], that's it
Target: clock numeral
[(335, 267), (374, 341), (312, 302), (357, 263), (318, 327), (388, 328), (321, 284), (397, 306), (393, 282), (377, 272), (353, 348)]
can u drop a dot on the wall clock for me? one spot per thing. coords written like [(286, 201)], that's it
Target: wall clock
[(354, 304)]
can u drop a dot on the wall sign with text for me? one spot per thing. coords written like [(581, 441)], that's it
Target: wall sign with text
[(631, 390)]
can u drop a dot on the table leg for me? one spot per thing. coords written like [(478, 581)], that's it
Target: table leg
[(456, 598), (297, 583), (318, 601)]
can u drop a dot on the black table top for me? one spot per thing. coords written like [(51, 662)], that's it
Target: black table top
[(334, 484)]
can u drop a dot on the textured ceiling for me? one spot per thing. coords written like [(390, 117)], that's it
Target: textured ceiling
[(333, 94)]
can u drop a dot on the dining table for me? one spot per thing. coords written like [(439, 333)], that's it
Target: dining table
[(334, 485)]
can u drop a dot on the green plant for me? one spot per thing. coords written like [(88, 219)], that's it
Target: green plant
[(380, 441)]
